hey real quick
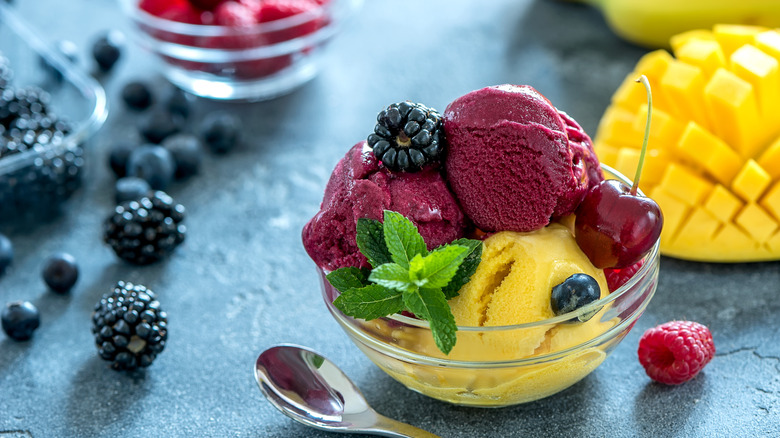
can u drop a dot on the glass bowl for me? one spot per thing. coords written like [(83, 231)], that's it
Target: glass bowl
[(503, 366), (37, 178), (256, 62)]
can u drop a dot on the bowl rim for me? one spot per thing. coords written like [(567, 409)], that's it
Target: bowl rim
[(648, 263), (87, 86), (335, 7)]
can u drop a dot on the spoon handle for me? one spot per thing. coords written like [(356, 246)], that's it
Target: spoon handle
[(388, 427)]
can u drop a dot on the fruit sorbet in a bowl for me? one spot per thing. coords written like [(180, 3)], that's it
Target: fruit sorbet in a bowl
[(238, 49), (469, 254)]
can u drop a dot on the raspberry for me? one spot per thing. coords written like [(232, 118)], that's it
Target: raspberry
[(674, 352), (617, 277), (272, 10)]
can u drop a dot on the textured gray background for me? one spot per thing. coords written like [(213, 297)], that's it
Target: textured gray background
[(242, 281)]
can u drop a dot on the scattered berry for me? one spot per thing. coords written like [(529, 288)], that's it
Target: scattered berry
[(153, 163), (131, 188), (674, 352), (6, 253), (147, 230), (20, 319), (60, 272), (619, 277), (187, 151), (107, 49), (159, 125), (129, 326), (178, 104), (576, 291), (272, 10), (407, 136), (118, 155), (221, 131), (137, 95)]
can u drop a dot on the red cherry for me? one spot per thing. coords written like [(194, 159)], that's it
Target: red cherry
[(614, 227)]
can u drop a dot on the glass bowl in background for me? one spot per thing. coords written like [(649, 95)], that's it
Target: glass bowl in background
[(256, 62), (506, 365), (35, 181)]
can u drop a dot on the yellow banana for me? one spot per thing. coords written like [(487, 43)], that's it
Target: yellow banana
[(650, 23)]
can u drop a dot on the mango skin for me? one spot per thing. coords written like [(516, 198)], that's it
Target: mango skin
[(651, 23)]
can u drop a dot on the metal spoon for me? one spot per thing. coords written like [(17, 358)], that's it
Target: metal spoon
[(311, 390)]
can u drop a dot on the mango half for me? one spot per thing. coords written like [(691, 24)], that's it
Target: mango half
[(713, 158)]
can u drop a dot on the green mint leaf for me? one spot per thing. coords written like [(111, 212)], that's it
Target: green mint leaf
[(437, 268), (344, 279), (391, 276), (371, 241), (402, 238), (369, 302), (430, 304), (466, 268)]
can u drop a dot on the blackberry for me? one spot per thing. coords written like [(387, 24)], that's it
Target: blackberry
[(60, 272), (20, 319), (146, 230), (407, 136), (129, 326)]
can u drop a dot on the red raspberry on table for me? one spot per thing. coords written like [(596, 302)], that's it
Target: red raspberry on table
[(272, 10), (674, 352), (618, 277)]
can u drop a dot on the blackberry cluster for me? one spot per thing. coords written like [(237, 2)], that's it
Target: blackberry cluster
[(407, 136), (146, 230), (129, 326), (39, 166)]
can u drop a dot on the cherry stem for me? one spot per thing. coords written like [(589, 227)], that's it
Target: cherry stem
[(644, 81)]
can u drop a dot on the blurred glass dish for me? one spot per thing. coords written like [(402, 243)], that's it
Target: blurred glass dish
[(41, 165), (251, 62)]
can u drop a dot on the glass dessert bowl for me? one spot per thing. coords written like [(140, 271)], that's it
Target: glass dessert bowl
[(504, 365), (242, 62)]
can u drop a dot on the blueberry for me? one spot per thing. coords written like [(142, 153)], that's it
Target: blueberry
[(137, 95), (131, 188), (187, 151), (107, 49), (178, 104), (20, 319), (575, 292), (6, 253), (158, 126), (221, 131), (117, 157), (154, 164), (60, 272)]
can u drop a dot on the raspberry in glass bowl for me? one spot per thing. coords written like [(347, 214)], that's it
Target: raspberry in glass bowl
[(238, 49)]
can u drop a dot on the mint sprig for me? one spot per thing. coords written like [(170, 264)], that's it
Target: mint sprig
[(405, 276)]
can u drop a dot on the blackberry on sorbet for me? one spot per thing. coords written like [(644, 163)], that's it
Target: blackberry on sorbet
[(407, 136), (129, 326), (147, 230)]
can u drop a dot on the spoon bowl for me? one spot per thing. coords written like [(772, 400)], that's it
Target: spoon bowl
[(311, 390)]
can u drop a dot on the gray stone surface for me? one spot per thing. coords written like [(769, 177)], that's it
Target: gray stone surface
[(242, 281)]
